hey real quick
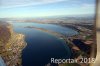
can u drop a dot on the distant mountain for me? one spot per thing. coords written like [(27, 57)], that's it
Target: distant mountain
[(55, 19)]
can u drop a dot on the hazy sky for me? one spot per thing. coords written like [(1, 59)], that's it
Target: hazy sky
[(45, 8)]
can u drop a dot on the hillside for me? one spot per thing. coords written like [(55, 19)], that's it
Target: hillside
[(11, 45)]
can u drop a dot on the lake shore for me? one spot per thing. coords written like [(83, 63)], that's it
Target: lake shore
[(11, 46), (77, 52), (58, 35)]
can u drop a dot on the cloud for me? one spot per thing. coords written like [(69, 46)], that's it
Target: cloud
[(88, 6), (19, 3)]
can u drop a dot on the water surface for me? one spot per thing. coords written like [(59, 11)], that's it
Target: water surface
[(41, 46)]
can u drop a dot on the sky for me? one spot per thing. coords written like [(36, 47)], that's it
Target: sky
[(45, 8)]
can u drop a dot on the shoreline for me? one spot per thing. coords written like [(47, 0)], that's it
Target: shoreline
[(76, 50), (11, 50), (56, 34)]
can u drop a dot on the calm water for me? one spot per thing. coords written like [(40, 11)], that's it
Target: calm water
[(41, 46)]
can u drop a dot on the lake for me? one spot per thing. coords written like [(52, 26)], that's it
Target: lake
[(41, 46)]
